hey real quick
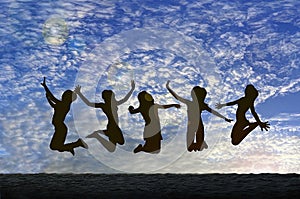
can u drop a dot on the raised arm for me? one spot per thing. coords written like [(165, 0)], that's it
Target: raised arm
[(175, 95), (85, 100), (217, 114), (50, 101), (128, 94), (49, 95)]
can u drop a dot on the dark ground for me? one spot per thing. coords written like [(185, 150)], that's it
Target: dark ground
[(149, 186)]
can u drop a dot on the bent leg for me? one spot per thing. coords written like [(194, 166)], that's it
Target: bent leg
[(117, 138), (152, 144), (111, 147), (239, 132), (78, 143), (59, 137), (114, 134)]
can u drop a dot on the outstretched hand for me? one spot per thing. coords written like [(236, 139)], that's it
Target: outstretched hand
[(77, 89), (44, 82), (264, 126), (167, 84), (228, 120), (130, 108), (219, 105)]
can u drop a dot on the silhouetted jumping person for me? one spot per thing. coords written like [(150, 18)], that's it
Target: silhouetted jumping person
[(242, 126), (152, 130), (61, 108), (110, 108), (195, 128)]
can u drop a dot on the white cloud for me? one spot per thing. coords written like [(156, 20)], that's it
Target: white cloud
[(260, 55)]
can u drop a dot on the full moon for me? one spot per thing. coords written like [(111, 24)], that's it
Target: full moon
[(55, 31)]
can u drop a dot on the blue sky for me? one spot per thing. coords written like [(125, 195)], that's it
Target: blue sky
[(220, 45), (279, 104)]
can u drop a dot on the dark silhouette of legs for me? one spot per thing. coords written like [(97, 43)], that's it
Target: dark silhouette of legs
[(239, 131), (198, 132), (114, 134), (152, 144), (59, 137), (110, 146), (200, 143)]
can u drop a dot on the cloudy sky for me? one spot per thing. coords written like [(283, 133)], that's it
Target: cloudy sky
[(219, 45)]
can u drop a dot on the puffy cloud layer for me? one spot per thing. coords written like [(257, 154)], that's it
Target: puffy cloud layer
[(219, 45)]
